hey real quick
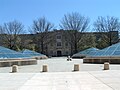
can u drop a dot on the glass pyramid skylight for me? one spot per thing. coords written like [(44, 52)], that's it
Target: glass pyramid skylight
[(31, 53), (113, 50), (8, 53), (87, 52)]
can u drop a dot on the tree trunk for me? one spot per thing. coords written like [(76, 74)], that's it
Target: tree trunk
[(75, 35), (42, 48)]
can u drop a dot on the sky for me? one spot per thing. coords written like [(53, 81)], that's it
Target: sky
[(25, 11)]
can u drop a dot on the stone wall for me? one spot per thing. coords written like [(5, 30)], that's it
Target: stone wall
[(101, 60), (19, 62)]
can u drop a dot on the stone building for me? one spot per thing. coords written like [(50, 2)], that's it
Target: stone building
[(59, 47)]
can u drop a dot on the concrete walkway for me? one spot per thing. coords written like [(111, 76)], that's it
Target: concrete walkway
[(60, 76), (93, 80), (59, 64)]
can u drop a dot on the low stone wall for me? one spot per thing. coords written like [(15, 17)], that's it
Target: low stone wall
[(101, 60), (40, 57), (19, 62)]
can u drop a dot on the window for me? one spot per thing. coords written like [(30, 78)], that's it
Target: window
[(59, 44), (58, 36), (66, 44), (51, 44)]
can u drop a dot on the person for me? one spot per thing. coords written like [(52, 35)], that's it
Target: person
[(69, 59)]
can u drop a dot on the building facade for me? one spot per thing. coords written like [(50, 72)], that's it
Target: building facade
[(57, 45)]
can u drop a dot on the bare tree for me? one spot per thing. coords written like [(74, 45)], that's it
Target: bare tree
[(11, 31), (1, 30), (41, 27), (75, 24), (107, 25)]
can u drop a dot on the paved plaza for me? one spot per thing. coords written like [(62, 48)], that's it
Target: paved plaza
[(59, 64), (60, 76)]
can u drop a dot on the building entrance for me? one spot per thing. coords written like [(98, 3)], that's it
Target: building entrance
[(59, 53)]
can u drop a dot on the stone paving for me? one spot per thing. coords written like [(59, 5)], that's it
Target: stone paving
[(59, 65), (61, 77), (92, 80)]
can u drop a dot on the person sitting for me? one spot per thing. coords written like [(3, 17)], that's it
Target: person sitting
[(69, 59)]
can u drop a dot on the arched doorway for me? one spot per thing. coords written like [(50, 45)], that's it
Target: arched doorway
[(59, 53)]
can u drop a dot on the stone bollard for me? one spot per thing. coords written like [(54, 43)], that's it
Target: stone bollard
[(14, 68), (106, 66), (44, 68), (76, 67)]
